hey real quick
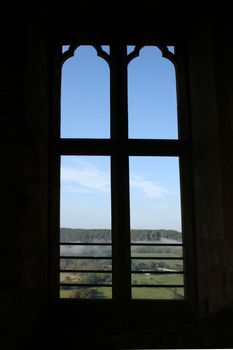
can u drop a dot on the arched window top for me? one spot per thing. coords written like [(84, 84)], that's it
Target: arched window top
[(85, 93), (166, 51), (152, 93)]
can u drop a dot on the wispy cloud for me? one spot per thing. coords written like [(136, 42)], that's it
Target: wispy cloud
[(149, 188), (84, 178), (75, 188)]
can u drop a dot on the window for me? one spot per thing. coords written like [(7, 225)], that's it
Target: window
[(124, 181)]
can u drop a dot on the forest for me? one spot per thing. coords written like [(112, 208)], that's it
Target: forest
[(104, 235)]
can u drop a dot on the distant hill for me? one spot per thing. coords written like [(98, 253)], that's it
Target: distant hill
[(104, 235)]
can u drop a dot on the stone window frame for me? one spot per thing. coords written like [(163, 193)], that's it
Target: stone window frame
[(115, 147)]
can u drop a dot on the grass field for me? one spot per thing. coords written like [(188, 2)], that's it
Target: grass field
[(137, 293), (157, 279), (147, 278), (157, 293)]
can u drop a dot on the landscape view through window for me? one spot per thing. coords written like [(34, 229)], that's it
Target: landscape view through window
[(156, 243)]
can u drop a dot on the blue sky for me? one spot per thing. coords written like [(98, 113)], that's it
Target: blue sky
[(85, 111)]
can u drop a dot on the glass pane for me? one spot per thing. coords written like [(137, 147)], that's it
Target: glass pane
[(86, 292), (157, 293), (106, 48), (152, 96), (85, 199), (85, 278), (130, 48), (155, 199), (85, 220), (156, 252), (85, 264), (171, 49), (157, 236), (155, 217), (65, 48), (76, 250), (157, 265), (85, 235), (153, 279), (85, 95)]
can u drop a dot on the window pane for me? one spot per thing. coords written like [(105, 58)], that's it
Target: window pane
[(156, 238), (157, 293), (85, 199), (157, 279), (167, 251), (85, 104), (80, 250), (152, 96), (106, 48), (158, 235), (85, 232), (86, 292), (155, 199), (157, 265), (85, 264), (85, 278), (85, 235), (130, 48)]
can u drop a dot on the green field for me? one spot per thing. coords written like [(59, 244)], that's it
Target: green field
[(146, 278), (157, 293), (157, 279), (137, 293)]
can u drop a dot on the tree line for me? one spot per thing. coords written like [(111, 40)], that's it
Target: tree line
[(104, 235)]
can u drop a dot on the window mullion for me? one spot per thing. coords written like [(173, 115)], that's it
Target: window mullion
[(120, 174)]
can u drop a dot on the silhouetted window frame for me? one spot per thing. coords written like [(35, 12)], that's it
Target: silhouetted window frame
[(120, 147)]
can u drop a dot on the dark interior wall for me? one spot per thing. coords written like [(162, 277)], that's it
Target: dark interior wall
[(210, 81), (12, 75), (206, 167), (224, 92), (211, 112), (24, 112), (35, 164)]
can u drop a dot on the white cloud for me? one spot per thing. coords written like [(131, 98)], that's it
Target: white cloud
[(87, 178), (75, 189), (149, 188), (84, 177)]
